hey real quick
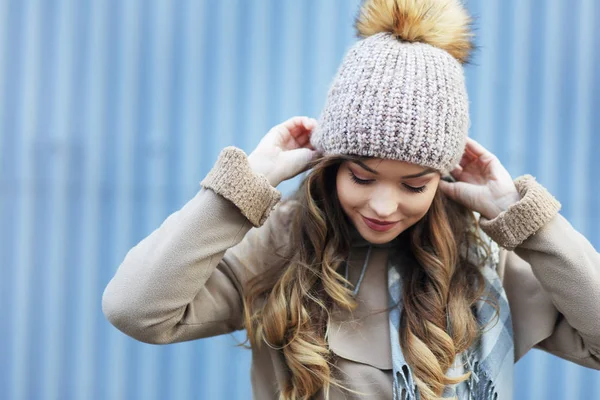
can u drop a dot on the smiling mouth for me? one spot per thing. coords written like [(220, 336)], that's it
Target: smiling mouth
[(376, 221), (377, 226)]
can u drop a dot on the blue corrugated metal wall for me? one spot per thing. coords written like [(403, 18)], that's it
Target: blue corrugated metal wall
[(112, 111)]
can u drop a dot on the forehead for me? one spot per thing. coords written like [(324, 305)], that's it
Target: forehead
[(390, 168)]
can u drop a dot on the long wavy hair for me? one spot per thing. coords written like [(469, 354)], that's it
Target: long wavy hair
[(289, 310)]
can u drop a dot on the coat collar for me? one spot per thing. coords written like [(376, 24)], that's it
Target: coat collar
[(362, 335)]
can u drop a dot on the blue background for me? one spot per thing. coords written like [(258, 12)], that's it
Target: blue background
[(112, 112)]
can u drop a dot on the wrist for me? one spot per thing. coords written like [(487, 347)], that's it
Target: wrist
[(523, 219), (261, 166), (503, 204), (233, 178)]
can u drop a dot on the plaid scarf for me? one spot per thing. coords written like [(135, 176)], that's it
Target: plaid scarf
[(490, 359)]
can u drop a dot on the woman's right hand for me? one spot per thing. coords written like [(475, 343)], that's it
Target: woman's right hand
[(285, 150)]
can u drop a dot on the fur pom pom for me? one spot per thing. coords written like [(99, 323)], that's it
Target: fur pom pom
[(441, 23)]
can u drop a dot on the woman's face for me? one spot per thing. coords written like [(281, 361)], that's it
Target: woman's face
[(387, 191)]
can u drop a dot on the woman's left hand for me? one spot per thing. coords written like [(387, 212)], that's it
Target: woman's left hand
[(482, 183)]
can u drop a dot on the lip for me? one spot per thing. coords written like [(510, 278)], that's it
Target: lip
[(379, 226)]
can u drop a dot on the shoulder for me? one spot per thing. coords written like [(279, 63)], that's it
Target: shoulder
[(264, 248), (275, 235), (283, 215)]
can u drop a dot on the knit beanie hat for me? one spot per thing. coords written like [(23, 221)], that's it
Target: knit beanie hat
[(400, 90)]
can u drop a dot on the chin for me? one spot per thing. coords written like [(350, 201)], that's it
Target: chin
[(382, 238), (379, 237)]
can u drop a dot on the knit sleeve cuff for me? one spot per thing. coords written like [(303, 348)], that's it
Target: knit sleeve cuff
[(523, 218), (250, 191)]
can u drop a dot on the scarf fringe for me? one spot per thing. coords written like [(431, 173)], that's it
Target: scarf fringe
[(409, 390), (480, 385)]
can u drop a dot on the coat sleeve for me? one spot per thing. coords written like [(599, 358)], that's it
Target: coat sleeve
[(184, 281), (551, 275)]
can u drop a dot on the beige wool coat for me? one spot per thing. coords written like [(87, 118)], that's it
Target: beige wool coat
[(185, 280)]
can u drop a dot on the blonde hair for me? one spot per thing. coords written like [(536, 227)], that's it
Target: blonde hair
[(288, 310)]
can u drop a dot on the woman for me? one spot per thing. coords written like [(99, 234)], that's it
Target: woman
[(376, 278)]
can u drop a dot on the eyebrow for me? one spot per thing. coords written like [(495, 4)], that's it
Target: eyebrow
[(371, 170)]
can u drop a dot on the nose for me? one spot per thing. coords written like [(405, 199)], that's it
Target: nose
[(383, 205)]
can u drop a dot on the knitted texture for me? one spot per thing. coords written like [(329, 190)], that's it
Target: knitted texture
[(251, 192), (524, 218), (397, 100)]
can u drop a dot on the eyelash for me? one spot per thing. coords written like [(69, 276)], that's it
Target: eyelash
[(366, 182)]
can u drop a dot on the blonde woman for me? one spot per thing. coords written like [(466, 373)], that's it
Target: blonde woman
[(407, 265)]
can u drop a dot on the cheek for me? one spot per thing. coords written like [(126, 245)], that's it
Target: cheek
[(349, 194), (417, 206), (343, 191)]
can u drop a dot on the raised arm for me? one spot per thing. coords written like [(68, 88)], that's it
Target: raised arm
[(183, 281), (551, 275)]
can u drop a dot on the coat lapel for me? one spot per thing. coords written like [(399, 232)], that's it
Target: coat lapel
[(362, 335)]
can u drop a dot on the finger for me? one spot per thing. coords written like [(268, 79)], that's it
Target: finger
[(476, 149), (456, 172), (309, 123), (301, 142), (315, 155), (454, 190), (303, 136), (308, 145), (286, 132), (297, 126), (297, 160), (448, 189), (466, 159), (292, 122), (288, 129)]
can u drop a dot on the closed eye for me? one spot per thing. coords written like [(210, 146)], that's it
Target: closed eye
[(360, 181), (419, 189)]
